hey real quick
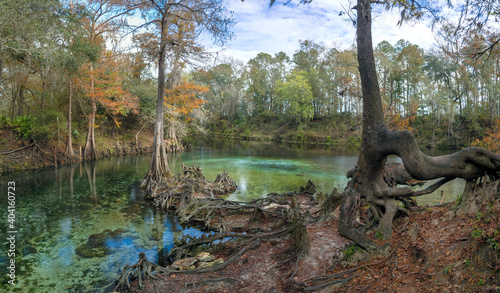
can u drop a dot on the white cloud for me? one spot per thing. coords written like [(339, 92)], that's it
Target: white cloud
[(279, 28)]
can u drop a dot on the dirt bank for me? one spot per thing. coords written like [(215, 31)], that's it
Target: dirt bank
[(447, 248), (21, 155)]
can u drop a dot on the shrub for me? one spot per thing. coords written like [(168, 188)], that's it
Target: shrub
[(22, 126), (29, 128)]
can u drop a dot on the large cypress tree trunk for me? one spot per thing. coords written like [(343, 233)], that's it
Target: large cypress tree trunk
[(90, 147), (158, 168), (173, 144), (378, 142)]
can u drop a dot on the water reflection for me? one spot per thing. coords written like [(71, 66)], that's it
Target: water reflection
[(79, 225)]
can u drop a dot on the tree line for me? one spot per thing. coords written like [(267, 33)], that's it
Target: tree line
[(82, 66), (62, 66), (450, 91)]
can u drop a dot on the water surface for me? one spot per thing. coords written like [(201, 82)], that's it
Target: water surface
[(79, 225)]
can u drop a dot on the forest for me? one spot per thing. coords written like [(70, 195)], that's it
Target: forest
[(101, 78)]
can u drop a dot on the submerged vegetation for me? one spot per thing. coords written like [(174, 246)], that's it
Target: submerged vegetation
[(63, 79), (75, 90)]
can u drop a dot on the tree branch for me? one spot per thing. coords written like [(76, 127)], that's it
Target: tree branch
[(13, 151)]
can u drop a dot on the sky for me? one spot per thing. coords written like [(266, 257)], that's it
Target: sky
[(279, 28)]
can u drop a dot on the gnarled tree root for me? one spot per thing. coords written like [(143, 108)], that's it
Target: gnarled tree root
[(142, 270), (287, 213), (376, 183), (349, 208)]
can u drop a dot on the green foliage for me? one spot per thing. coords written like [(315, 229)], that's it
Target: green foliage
[(491, 236), (459, 199), (494, 242), (467, 262), (75, 133), (295, 96), (477, 233), (299, 137), (147, 93), (29, 128), (23, 127), (350, 251), (43, 133), (54, 117), (479, 216), (4, 121), (354, 140), (447, 270)]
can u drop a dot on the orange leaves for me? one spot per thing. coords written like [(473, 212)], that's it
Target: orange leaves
[(103, 83), (399, 122), (492, 140), (185, 98)]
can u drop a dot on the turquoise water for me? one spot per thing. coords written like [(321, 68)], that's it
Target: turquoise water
[(78, 226), (262, 168)]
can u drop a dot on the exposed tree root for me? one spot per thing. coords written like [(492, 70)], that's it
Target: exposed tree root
[(375, 183), (321, 282), (190, 244), (349, 208), (239, 226), (190, 184), (331, 203), (13, 151), (140, 271), (143, 269)]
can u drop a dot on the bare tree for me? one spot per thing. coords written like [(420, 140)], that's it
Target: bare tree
[(208, 16), (368, 182)]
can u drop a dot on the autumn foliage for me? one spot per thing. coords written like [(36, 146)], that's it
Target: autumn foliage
[(185, 98), (492, 139), (398, 122), (108, 89)]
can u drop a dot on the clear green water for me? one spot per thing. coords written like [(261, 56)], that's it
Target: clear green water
[(78, 226)]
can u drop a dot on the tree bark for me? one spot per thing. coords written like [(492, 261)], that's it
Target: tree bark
[(159, 166), (69, 142), (20, 105), (89, 151), (378, 142)]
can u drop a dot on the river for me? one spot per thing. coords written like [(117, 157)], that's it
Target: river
[(77, 226)]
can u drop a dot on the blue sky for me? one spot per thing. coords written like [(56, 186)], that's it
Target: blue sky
[(279, 28)]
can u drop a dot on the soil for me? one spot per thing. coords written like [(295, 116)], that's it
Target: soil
[(435, 249), (21, 155)]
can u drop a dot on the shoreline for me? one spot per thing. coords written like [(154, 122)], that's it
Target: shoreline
[(21, 156), (435, 249)]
